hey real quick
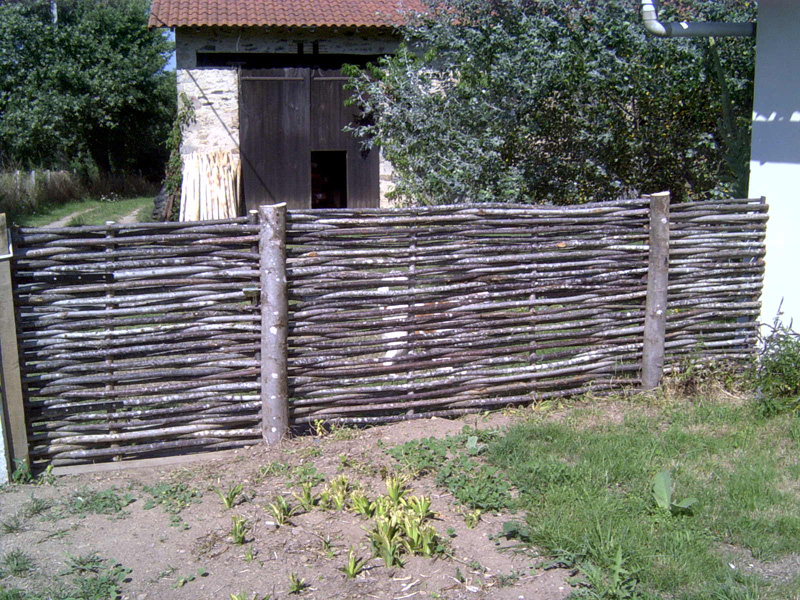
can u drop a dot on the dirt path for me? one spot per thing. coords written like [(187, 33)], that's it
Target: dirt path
[(131, 217)]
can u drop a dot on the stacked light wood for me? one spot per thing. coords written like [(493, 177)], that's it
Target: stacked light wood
[(138, 339), (211, 184)]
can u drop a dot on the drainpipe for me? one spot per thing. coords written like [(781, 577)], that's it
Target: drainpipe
[(683, 29)]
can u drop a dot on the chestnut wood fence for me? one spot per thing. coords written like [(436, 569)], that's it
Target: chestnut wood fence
[(137, 340)]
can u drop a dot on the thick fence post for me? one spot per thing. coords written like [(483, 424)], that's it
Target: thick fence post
[(14, 438), (655, 317), (274, 321)]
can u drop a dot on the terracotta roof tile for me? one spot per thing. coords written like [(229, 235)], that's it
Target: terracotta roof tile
[(280, 13)]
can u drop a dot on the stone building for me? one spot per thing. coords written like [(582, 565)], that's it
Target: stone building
[(265, 84)]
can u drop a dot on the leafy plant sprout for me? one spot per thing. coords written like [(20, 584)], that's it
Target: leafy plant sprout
[(229, 498), (354, 565), (296, 584), (239, 529), (281, 511)]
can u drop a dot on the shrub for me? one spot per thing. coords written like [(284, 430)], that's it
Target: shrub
[(778, 372)]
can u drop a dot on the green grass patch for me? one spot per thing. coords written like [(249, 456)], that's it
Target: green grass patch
[(89, 212), (587, 487)]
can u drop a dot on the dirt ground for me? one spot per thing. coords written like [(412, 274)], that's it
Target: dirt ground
[(165, 559)]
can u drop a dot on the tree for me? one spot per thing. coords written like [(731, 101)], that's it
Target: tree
[(89, 90), (560, 101)]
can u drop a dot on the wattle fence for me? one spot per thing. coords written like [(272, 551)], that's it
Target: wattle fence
[(137, 340)]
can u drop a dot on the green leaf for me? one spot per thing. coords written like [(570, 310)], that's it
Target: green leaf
[(662, 490)]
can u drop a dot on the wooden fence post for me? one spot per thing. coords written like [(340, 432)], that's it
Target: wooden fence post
[(655, 317), (274, 321), (13, 410)]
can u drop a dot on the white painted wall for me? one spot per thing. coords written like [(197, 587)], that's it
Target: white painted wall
[(775, 153)]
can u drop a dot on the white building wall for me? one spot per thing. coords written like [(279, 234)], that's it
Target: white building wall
[(775, 155), (214, 92)]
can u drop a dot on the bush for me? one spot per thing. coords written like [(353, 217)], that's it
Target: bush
[(778, 371)]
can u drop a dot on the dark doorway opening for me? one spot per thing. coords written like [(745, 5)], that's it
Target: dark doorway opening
[(329, 179)]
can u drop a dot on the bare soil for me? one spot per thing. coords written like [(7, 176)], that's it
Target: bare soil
[(159, 554)]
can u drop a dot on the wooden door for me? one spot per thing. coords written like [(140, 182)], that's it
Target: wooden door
[(285, 115), (274, 137)]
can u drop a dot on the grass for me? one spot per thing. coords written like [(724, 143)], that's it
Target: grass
[(92, 211), (587, 488)]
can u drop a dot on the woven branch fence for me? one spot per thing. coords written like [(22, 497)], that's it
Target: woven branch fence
[(143, 339)]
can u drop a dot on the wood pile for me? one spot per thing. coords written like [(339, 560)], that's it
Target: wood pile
[(211, 184)]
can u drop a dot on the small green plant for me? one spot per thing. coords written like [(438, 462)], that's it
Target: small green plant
[(361, 505), (778, 373), (354, 565), (396, 488), (616, 582), (17, 563), (472, 517), (174, 497), (421, 507), (339, 491), (243, 596), (239, 529), (296, 584), (36, 507), (274, 469), (104, 502), (386, 542), (305, 473), (307, 498), (229, 497), (327, 546), (281, 511), (182, 581), (662, 494), (22, 472), (13, 524)]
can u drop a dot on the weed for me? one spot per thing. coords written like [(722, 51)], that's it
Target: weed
[(239, 530), (662, 494), (475, 485), (305, 473), (244, 596), (182, 581), (173, 497), (472, 517), (778, 372), (296, 584), (36, 507), (17, 563), (281, 511), (81, 565), (510, 579), (229, 498), (274, 469), (104, 502), (22, 472), (14, 524), (616, 582), (355, 565), (451, 532)]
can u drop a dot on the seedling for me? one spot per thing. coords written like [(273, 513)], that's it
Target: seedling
[(386, 542), (472, 518), (307, 499), (327, 546), (182, 581), (249, 554), (296, 584), (662, 494), (239, 530), (355, 565), (361, 505), (103, 502), (339, 490), (281, 511), (243, 596), (229, 498), (13, 524), (396, 489), (36, 507), (420, 506)]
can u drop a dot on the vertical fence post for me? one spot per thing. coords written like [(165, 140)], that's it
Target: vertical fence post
[(274, 322), (655, 317), (13, 410)]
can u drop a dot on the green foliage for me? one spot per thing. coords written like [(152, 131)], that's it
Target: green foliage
[(559, 100), (296, 584), (281, 511), (662, 494), (229, 498), (355, 565), (22, 472), (15, 562), (239, 528), (89, 92), (103, 502), (778, 372), (173, 497)]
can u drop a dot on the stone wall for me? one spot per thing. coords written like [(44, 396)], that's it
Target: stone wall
[(214, 92)]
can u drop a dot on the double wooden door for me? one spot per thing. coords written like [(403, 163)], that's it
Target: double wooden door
[(293, 146)]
